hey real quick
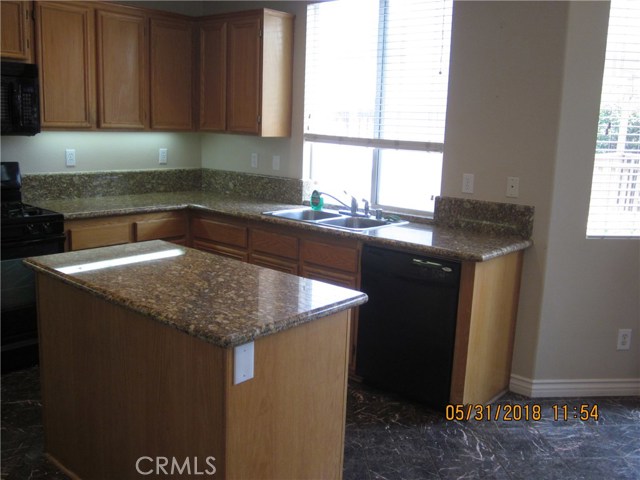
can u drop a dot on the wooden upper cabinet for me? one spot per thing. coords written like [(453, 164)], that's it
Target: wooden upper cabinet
[(213, 71), (243, 75), (246, 73), (171, 63), (66, 56), (17, 30), (122, 70)]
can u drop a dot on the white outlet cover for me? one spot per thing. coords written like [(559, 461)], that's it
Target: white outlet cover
[(70, 157), (467, 182), (513, 187), (276, 162), (254, 160), (243, 363)]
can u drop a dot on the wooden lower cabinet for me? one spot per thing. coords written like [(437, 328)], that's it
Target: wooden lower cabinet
[(487, 304), (106, 405), (275, 248), (119, 229), (220, 234), (485, 327)]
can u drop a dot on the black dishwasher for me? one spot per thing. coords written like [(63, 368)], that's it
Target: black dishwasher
[(406, 331)]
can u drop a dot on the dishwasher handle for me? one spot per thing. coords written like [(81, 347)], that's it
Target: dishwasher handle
[(430, 264)]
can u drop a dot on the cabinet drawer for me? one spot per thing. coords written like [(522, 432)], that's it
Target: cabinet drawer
[(275, 263), (274, 243), (226, 233), (330, 276), (159, 229), (99, 236), (229, 252), (330, 255)]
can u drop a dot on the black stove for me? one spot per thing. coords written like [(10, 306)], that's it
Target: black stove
[(27, 231), (22, 222)]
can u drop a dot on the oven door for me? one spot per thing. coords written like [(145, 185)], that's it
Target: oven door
[(19, 322)]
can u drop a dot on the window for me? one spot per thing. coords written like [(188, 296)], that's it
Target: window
[(614, 210), (375, 99)]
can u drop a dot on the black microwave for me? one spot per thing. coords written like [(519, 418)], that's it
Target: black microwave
[(20, 108)]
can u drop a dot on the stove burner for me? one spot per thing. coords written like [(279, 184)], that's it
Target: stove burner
[(19, 210)]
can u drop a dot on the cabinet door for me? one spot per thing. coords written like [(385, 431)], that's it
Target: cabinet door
[(17, 30), (171, 74), (213, 70), (122, 70), (67, 64), (83, 237), (244, 74)]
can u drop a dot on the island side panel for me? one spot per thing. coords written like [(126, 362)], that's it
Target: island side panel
[(288, 421), (117, 386)]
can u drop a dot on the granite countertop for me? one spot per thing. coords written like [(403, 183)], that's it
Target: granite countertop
[(427, 238), (214, 298)]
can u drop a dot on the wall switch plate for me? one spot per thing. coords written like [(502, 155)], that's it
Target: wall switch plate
[(513, 187), (624, 339), (70, 157), (243, 363), (276, 162), (254, 160), (163, 154), (467, 182)]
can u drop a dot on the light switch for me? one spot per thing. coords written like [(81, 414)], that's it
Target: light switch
[(242, 363), (163, 153)]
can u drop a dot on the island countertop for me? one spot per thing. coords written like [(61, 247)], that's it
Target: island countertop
[(220, 300)]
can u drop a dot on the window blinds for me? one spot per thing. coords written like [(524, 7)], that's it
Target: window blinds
[(377, 72), (615, 192)]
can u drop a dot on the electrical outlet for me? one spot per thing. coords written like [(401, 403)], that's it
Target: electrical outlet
[(513, 187), (276, 162), (70, 157), (467, 183), (163, 154), (624, 339), (254, 160), (243, 362)]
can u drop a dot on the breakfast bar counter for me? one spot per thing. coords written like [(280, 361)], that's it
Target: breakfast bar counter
[(157, 356)]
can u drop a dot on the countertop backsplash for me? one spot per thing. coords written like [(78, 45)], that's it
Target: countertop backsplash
[(62, 186), (483, 216), (458, 213)]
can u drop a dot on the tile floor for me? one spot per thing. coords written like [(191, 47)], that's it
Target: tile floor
[(391, 438)]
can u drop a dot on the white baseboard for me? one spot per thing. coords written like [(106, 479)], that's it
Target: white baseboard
[(615, 387)]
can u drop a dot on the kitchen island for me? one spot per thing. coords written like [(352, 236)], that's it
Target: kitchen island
[(157, 359)]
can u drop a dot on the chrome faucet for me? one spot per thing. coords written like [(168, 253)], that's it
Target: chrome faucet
[(353, 208), (366, 207)]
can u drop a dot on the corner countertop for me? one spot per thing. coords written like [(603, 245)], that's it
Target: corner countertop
[(426, 238), (219, 300)]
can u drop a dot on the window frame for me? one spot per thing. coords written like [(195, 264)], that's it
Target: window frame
[(376, 143)]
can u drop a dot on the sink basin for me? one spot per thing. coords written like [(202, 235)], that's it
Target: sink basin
[(304, 214), (355, 223), (332, 219)]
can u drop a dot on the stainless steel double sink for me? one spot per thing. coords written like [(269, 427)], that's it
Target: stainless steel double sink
[(333, 219)]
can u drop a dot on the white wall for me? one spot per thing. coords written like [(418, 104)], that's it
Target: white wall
[(45, 152), (591, 286), (524, 95)]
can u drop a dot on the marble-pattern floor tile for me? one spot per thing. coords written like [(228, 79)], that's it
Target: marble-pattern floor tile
[(389, 438)]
